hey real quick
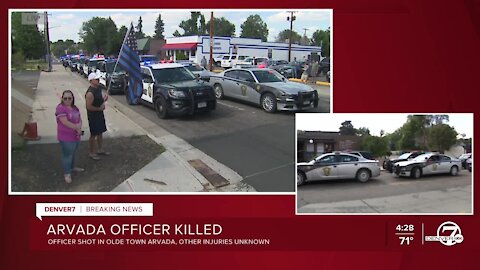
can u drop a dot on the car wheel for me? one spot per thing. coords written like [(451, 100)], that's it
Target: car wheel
[(416, 173), (363, 175), (161, 108), (218, 91), (454, 171), (300, 178), (269, 103)]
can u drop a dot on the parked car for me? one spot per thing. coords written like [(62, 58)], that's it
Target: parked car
[(427, 164), (112, 77), (173, 90), (337, 166), (265, 87), (148, 59), (289, 71), (463, 158), (324, 66), (197, 70), (251, 60), (229, 61), (364, 154), (389, 163), (469, 164)]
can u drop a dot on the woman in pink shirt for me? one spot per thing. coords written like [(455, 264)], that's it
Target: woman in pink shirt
[(69, 130)]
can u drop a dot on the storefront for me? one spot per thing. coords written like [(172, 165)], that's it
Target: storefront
[(195, 47)]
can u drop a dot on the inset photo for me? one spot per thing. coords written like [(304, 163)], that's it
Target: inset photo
[(388, 163)]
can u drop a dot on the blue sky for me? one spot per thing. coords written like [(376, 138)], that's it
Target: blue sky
[(389, 122), (65, 24)]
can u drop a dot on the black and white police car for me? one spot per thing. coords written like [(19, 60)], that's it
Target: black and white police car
[(171, 89), (426, 164)]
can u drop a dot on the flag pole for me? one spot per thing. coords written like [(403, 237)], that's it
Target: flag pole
[(120, 53)]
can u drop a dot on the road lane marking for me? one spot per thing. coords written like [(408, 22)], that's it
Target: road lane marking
[(269, 170)]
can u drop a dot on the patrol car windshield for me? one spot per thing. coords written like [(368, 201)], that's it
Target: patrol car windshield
[(94, 63), (193, 68), (422, 157), (171, 75), (403, 156), (111, 65), (267, 76)]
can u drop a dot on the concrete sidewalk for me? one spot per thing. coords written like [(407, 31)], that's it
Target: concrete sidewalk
[(169, 172), (456, 200)]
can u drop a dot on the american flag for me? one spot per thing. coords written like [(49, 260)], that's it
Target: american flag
[(130, 62)]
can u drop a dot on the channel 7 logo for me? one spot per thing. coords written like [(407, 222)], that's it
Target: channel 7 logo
[(448, 233)]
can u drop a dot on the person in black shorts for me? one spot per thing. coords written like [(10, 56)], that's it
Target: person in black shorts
[(95, 102)]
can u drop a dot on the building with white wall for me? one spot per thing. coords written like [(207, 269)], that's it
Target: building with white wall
[(195, 47)]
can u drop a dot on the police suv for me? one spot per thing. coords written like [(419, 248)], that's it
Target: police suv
[(171, 89)]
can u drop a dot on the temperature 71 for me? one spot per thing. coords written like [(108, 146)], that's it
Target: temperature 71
[(405, 240)]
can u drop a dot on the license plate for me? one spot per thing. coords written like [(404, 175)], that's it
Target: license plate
[(202, 104), (306, 102)]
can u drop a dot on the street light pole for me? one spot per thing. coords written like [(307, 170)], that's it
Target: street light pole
[(291, 19), (211, 42), (47, 41)]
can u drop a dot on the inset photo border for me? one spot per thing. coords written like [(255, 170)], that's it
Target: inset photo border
[(384, 163)]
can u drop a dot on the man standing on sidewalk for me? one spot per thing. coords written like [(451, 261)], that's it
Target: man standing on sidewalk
[(95, 103), (314, 71)]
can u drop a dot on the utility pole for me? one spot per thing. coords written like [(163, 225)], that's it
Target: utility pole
[(291, 18), (305, 32), (210, 65), (47, 43)]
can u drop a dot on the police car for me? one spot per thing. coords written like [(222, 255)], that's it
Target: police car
[(265, 87), (430, 163), (171, 89), (92, 64), (112, 77), (333, 166)]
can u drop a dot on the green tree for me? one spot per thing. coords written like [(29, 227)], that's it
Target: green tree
[(254, 27), (363, 131), (221, 27), (378, 146), (322, 38), (99, 35), (139, 32), (284, 35), (442, 137), (347, 128), (27, 40), (176, 34), (195, 25), (159, 28), (60, 47)]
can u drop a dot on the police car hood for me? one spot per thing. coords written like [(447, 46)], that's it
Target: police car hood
[(190, 84), (311, 162), (407, 162), (290, 87)]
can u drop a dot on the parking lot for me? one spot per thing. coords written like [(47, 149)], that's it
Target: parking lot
[(439, 188)]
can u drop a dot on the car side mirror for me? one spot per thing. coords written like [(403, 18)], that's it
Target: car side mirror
[(148, 79)]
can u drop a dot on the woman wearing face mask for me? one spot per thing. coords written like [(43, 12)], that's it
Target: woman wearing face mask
[(69, 130)]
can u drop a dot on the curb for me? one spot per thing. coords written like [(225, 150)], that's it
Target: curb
[(317, 82)]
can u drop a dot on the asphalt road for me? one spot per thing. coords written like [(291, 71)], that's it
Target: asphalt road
[(257, 145), (384, 185)]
